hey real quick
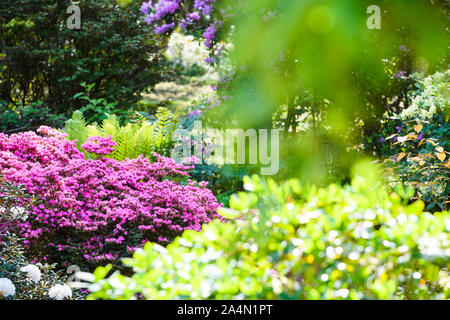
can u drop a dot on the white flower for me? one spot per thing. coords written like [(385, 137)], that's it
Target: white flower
[(430, 99), (7, 288), (17, 210), (32, 271), (60, 292)]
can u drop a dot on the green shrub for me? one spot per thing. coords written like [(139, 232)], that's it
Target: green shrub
[(31, 117), (421, 160), (97, 110), (223, 180), (294, 241), (415, 143)]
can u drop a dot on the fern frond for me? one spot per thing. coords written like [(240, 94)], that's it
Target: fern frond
[(165, 125), (110, 126), (145, 144), (125, 143), (76, 129), (94, 130)]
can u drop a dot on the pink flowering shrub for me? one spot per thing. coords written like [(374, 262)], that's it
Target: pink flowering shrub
[(99, 210), (99, 145)]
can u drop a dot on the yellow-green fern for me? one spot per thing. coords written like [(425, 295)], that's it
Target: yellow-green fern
[(139, 138)]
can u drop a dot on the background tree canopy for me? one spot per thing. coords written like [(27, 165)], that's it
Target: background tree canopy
[(307, 51), (43, 60)]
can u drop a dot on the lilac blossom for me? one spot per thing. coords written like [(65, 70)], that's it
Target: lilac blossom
[(209, 35), (164, 28), (160, 13), (194, 16), (145, 7), (400, 74)]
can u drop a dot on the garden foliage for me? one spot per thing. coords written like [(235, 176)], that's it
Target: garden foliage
[(296, 241), (101, 193), (416, 141), (30, 117)]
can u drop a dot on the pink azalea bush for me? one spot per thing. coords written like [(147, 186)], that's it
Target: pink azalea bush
[(99, 145), (98, 210)]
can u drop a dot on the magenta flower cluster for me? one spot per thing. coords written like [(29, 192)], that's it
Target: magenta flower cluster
[(99, 145), (99, 210)]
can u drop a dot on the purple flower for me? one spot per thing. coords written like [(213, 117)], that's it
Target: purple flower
[(164, 28), (209, 35), (400, 75), (210, 60), (164, 10), (382, 140), (150, 18), (146, 6), (194, 113), (419, 136), (164, 7), (194, 16)]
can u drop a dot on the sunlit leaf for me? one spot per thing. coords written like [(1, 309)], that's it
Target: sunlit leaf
[(418, 128), (441, 156), (400, 156)]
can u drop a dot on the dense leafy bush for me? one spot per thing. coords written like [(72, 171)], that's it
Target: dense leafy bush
[(95, 210), (45, 60), (97, 110), (423, 162), (415, 142), (222, 180), (31, 117), (139, 138), (293, 241)]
